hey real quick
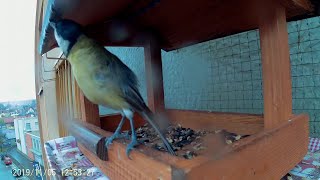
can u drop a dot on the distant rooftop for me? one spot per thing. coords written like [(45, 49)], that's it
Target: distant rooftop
[(35, 133), (26, 118), (8, 120)]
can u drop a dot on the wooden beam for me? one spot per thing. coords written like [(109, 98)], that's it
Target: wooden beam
[(275, 63), (244, 124), (260, 156), (153, 68), (141, 166), (220, 18), (297, 7), (267, 155), (37, 63), (90, 111), (95, 143)]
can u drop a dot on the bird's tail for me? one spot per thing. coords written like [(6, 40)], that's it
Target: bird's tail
[(149, 117)]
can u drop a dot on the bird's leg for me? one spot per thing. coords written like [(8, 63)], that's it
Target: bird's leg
[(116, 134), (134, 140)]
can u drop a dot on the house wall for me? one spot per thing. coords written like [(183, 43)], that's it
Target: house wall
[(20, 129), (33, 123), (29, 146), (225, 74), (36, 146), (17, 133)]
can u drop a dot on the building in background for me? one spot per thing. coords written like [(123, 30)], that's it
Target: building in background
[(28, 140), (33, 144), (9, 134), (23, 125), (9, 122), (7, 139)]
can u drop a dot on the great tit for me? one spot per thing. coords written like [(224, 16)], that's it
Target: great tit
[(104, 78)]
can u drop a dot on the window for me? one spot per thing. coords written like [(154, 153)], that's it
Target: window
[(33, 144), (28, 127), (38, 145)]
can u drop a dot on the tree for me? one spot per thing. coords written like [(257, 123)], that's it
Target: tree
[(2, 123), (2, 107), (2, 140), (33, 103)]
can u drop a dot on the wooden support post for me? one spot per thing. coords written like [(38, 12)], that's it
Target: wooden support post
[(90, 111), (275, 63), (153, 68)]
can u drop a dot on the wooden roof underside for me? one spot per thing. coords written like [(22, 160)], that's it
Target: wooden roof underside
[(177, 23)]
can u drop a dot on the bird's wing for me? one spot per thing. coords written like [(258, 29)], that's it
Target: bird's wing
[(123, 77), (115, 73), (130, 87), (133, 97)]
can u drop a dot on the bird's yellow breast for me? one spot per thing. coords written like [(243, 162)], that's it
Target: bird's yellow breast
[(86, 59)]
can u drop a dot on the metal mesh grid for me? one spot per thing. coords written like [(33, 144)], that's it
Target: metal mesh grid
[(226, 75), (304, 40), (232, 75)]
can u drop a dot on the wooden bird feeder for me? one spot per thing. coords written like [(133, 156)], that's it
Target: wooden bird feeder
[(278, 139)]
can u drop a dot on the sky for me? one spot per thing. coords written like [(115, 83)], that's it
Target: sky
[(17, 18)]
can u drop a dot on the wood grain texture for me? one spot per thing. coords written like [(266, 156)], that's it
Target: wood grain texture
[(245, 124), (118, 166), (59, 96), (267, 155), (179, 23), (192, 23), (297, 7), (92, 141), (277, 89), (37, 68), (206, 20), (239, 123), (64, 98), (90, 111), (264, 156), (153, 69)]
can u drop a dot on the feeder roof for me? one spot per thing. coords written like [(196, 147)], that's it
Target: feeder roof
[(177, 23)]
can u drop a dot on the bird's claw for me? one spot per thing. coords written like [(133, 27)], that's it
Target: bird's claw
[(116, 136), (109, 141), (126, 135), (130, 146), (170, 149)]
